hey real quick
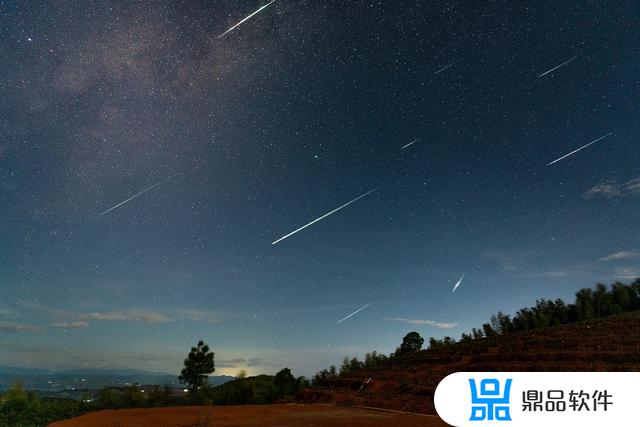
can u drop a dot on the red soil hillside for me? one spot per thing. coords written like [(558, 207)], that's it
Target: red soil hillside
[(408, 383), (250, 415)]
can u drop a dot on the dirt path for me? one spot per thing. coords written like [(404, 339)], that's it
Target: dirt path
[(251, 415)]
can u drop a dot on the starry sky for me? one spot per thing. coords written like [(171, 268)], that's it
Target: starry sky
[(302, 108)]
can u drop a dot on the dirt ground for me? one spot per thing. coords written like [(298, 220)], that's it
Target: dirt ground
[(251, 415)]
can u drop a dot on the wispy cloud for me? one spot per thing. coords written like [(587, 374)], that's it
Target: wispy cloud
[(17, 327), (71, 325), (148, 358), (144, 315), (441, 325), (240, 362), (621, 255), (627, 273), (612, 189), (232, 363), (131, 315), (559, 273), (260, 362), (198, 315)]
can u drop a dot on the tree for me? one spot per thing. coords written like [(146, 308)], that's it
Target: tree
[(477, 334), (488, 330), (448, 341), (333, 372), (197, 365), (20, 408), (108, 399), (355, 364), (434, 343), (159, 396), (284, 382), (132, 397), (411, 342), (584, 304), (345, 367)]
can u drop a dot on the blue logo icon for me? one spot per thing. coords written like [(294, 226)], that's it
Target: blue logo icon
[(486, 401)]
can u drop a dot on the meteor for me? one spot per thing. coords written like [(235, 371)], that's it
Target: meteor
[(578, 149), (458, 284), (135, 195), (325, 215), (246, 18), (447, 66), (411, 143), (557, 66), (355, 312)]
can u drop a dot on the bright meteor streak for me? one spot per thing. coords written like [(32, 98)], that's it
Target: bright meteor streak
[(458, 284), (557, 66), (411, 143), (352, 314), (447, 66), (325, 215), (246, 18), (578, 149), (135, 195)]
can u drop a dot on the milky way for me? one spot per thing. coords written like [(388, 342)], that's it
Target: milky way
[(304, 106)]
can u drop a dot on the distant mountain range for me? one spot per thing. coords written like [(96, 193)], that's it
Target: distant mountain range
[(89, 379)]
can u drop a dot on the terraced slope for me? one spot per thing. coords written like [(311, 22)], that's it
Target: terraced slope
[(408, 384)]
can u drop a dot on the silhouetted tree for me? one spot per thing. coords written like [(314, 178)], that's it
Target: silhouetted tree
[(411, 342), (355, 364), (434, 343), (197, 365), (584, 304), (500, 323), (488, 330), (345, 367), (333, 372), (448, 341), (301, 382), (284, 382), (477, 334)]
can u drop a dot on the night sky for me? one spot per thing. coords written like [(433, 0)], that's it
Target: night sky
[(302, 108)]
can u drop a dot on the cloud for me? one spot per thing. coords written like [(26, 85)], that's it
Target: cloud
[(260, 362), (198, 315), (621, 255), (71, 325), (627, 273), (132, 315), (612, 189), (433, 323), (557, 273), (239, 362), (17, 327), (233, 363), (135, 315), (149, 358), (505, 262)]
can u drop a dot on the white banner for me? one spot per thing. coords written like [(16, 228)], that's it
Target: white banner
[(534, 399)]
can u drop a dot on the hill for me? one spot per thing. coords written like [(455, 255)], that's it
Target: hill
[(408, 383)]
